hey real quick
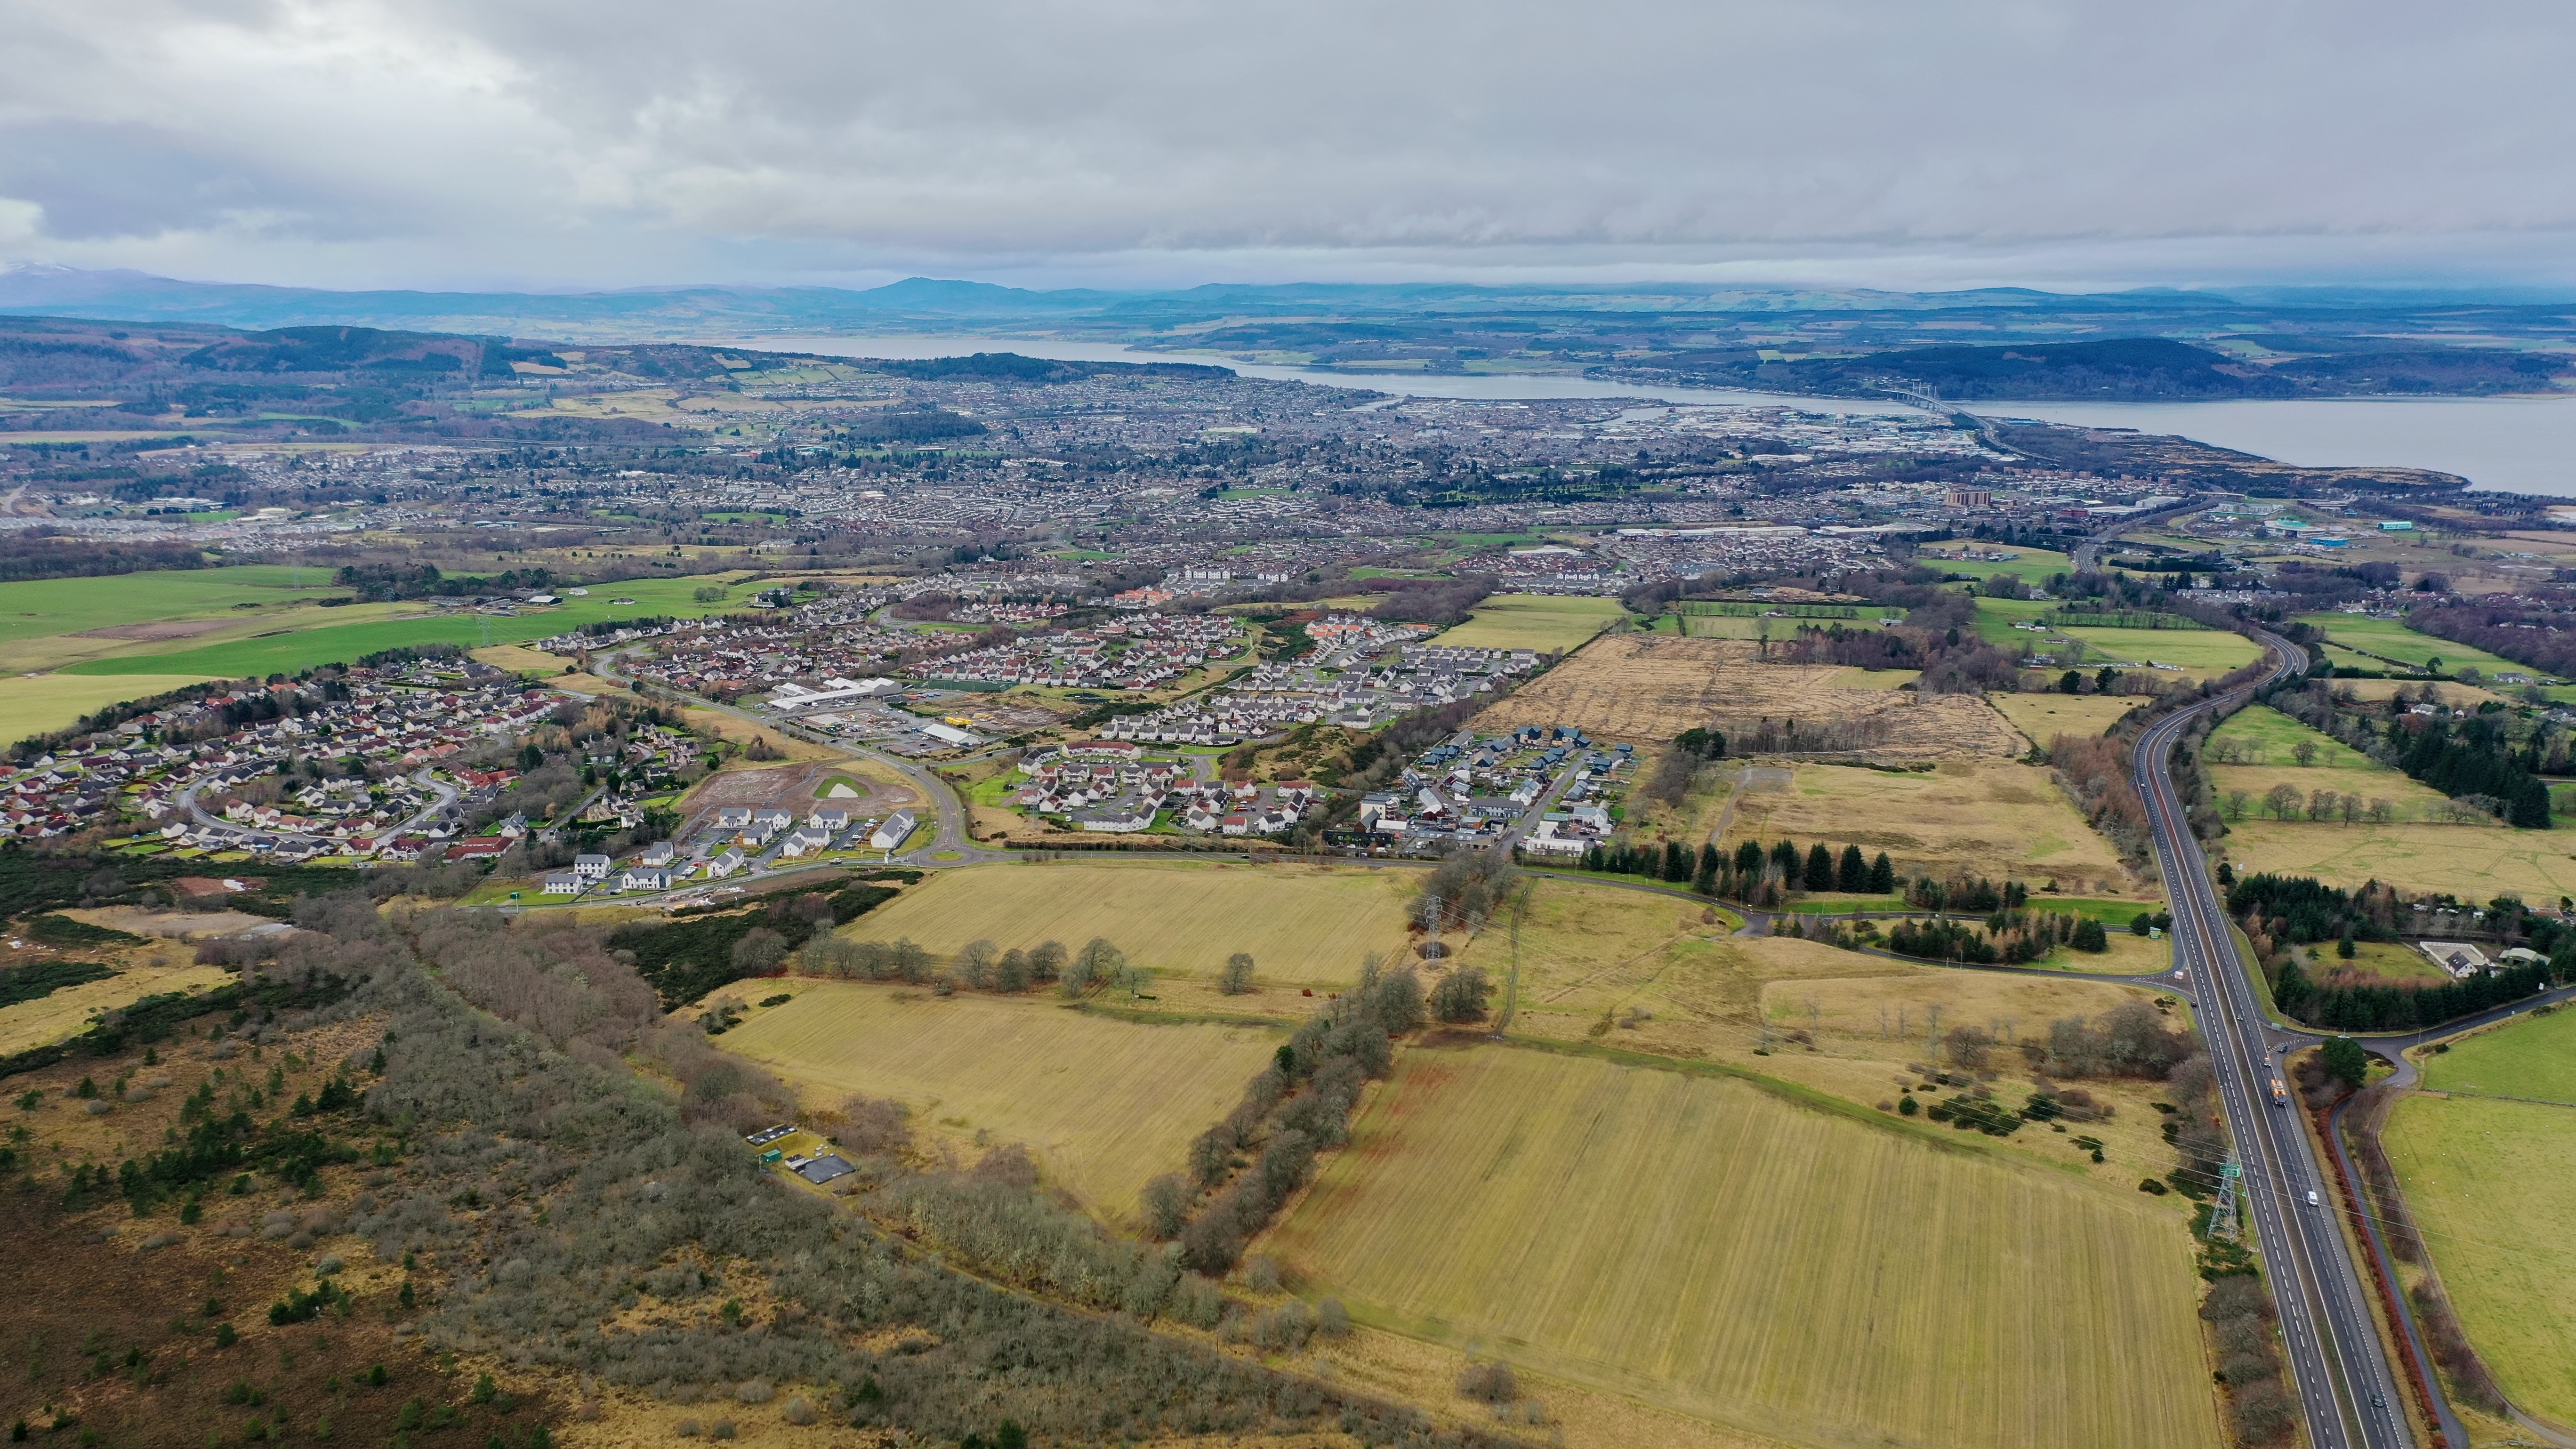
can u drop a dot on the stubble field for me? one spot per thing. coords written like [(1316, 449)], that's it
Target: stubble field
[(1103, 1104), (1647, 687), (1303, 925), (1712, 1246)]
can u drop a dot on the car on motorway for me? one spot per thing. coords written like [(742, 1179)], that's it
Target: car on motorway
[(2280, 1093)]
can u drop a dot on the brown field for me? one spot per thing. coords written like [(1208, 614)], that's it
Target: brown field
[(793, 787), (2040, 716), (1304, 925), (1103, 1104), (1710, 1246), (1998, 820), (1650, 687)]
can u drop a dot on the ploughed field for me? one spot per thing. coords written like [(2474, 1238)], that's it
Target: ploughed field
[(1781, 1267), (2489, 1181), (1303, 925), (1103, 1104)]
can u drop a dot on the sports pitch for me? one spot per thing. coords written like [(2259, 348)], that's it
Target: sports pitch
[(1711, 1246), (1105, 1105)]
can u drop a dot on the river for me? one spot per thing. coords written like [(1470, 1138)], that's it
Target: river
[(2517, 445)]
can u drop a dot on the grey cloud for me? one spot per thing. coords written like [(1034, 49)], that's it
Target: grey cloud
[(659, 141)]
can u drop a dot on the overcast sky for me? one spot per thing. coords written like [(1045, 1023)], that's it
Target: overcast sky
[(1916, 145)]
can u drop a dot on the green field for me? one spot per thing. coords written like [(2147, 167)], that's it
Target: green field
[(1103, 1104), (2391, 639), (37, 608), (2200, 652), (2534, 1057), (2030, 565), (2488, 1182), (1545, 622), (1996, 618), (1713, 1247), (303, 648), (37, 706), (2266, 738), (1304, 925)]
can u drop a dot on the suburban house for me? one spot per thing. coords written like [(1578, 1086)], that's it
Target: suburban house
[(724, 865), (562, 883), (591, 868), (891, 833), (646, 878), (660, 852)]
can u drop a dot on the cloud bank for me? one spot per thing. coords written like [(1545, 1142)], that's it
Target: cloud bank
[(460, 142)]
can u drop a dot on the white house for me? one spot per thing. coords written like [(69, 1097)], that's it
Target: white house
[(646, 878), (891, 833), (562, 883), (724, 865), (834, 820), (591, 868), (660, 852)]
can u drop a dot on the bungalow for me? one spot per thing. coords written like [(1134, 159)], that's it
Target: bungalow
[(804, 842), (724, 865), (660, 852)]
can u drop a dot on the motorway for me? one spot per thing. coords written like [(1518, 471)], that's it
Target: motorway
[(2344, 1380)]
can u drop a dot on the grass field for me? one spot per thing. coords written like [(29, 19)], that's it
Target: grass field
[(2041, 716), (2030, 565), (1104, 1104), (2391, 639), (2488, 1182), (2266, 738), (1545, 622), (35, 608), (2534, 1057), (1985, 818), (2472, 862), (297, 649), (1304, 925), (2382, 962), (2202, 653), (52, 701), (1643, 687), (1708, 1245)]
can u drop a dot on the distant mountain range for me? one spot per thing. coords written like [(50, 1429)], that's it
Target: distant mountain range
[(2252, 342)]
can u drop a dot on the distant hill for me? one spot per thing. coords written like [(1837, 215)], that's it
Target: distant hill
[(2132, 369), (2143, 344)]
